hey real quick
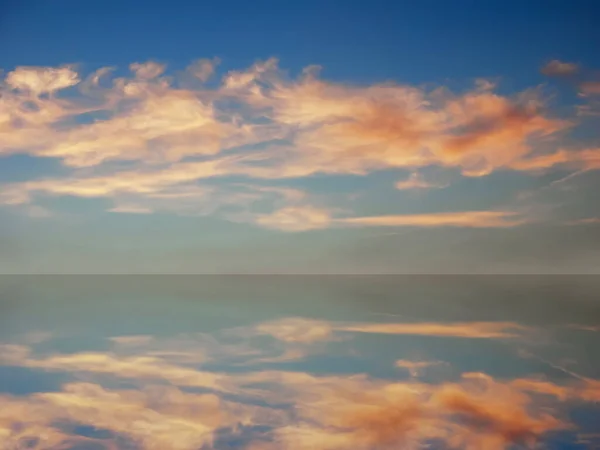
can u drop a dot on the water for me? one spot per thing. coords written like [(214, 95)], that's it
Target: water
[(299, 362)]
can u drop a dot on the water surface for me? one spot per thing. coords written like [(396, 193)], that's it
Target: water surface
[(299, 362)]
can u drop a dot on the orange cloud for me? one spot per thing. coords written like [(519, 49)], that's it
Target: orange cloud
[(375, 423), (542, 387), (469, 219), (357, 131), (473, 330), (475, 413), (496, 418), (586, 159), (589, 390)]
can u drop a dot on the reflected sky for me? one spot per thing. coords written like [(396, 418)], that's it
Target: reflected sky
[(299, 362)]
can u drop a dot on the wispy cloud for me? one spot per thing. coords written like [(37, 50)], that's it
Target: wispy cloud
[(298, 218), (469, 219), (473, 330), (586, 221), (415, 367), (416, 181), (309, 330)]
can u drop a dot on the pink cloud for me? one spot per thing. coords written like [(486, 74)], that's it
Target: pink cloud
[(556, 68)]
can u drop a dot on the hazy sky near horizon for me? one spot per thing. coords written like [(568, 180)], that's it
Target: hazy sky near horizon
[(299, 136)]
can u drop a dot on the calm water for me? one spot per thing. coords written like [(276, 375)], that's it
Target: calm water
[(299, 362)]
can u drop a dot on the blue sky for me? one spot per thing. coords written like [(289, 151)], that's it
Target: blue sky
[(423, 145), (414, 42)]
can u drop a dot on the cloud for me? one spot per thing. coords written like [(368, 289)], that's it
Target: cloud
[(586, 221), (415, 367), (477, 412), (581, 159), (134, 367), (472, 330), (148, 70), (203, 69), (293, 339), (498, 414), (364, 420), (296, 219), (131, 209), (590, 88), (556, 68), (151, 419), (301, 330), (468, 219), (585, 327), (294, 410), (542, 387), (327, 127), (305, 218), (589, 390), (330, 413), (175, 191), (132, 340), (297, 330), (585, 81), (150, 140), (416, 181), (358, 130), (143, 118), (41, 80)]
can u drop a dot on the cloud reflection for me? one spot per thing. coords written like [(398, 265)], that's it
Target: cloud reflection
[(156, 393)]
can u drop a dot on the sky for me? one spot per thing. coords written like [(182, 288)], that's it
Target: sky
[(299, 137)]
